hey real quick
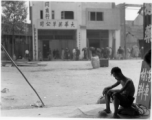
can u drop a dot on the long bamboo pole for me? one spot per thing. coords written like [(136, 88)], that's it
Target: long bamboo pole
[(22, 74)]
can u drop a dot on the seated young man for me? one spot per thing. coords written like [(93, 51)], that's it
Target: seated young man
[(124, 96)]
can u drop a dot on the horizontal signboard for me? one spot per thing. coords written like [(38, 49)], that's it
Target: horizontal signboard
[(57, 24)]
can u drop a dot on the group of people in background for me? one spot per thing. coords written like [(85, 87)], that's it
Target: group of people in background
[(100, 52), (133, 52), (65, 54), (104, 52)]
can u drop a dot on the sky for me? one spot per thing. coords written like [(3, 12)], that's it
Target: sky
[(131, 12)]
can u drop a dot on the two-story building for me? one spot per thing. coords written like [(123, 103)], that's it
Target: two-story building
[(58, 25)]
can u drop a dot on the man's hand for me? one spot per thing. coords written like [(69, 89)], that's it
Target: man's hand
[(106, 90)]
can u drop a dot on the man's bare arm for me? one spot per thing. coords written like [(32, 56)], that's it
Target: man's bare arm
[(114, 85), (110, 87)]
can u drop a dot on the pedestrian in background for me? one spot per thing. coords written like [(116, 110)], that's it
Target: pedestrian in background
[(69, 54), (84, 53), (102, 52), (77, 53), (49, 55), (128, 53), (110, 52), (122, 53), (66, 53), (62, 54), (74, 53), (27, 54)]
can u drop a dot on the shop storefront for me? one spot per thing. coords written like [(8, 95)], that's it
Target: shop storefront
[(50, 40), (55, 35)]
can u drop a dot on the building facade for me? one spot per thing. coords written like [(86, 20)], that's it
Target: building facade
[(58, 25)]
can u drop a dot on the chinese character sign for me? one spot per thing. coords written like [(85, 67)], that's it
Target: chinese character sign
[(57, 24), (47, 10), (144, 87), (147, 16)]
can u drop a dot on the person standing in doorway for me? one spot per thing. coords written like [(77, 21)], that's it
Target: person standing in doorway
[(74, 53), (27, 54)]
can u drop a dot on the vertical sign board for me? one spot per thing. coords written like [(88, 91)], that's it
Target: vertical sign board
[(147, 14), (47, 11), (144, 87), (35, 42)]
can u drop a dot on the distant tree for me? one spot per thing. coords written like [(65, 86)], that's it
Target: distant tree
[(14, 15)]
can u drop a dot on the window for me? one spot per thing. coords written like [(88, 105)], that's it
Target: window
[(41, 14), (53, 14), (92, 16), (67, 15), (96, 16)]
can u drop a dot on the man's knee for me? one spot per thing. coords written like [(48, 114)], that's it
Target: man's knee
[(109, 93), (116, 97)]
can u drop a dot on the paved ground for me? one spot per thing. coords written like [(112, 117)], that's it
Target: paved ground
[(83, 111), (61, 83)]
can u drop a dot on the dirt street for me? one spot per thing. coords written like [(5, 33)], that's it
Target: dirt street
[(62, 83)]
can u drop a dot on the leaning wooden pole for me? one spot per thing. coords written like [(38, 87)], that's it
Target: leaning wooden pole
[(22, 74)]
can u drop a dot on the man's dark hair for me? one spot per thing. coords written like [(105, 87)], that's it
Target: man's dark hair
[(115, 70)]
